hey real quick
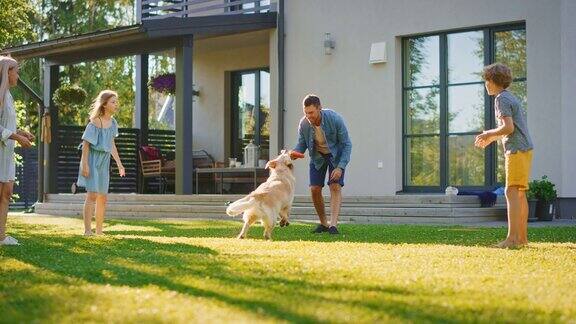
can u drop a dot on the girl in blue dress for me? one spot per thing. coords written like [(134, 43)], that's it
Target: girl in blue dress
[(97, 147)]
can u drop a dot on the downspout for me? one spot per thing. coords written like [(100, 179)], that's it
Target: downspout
[(281, 109)]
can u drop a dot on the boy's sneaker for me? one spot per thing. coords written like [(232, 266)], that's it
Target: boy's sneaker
[(9, 240), (333, 230), (320, 229)]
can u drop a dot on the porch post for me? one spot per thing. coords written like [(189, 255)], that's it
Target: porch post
[(50, 161), (184, 117), (141, 117)]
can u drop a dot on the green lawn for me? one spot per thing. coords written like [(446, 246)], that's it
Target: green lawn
[(196, 271)]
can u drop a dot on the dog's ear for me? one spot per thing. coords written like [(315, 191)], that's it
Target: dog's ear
[(271, 164)]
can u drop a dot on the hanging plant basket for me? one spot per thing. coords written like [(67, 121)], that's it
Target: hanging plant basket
[(166, 83), (163, 83), (69, 96)]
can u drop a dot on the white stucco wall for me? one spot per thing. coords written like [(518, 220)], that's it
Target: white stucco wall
[(568, 98), (369, 96), (212, 59)]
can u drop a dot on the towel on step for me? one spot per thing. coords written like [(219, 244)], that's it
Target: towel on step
[(487, 198)]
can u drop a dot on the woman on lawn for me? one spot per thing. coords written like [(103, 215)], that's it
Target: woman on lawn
[(9, 135)]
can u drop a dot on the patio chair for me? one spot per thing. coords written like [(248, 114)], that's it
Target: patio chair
[(152, 165)]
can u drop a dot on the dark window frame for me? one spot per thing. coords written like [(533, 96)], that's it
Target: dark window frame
[(236, 78), (491, 158)]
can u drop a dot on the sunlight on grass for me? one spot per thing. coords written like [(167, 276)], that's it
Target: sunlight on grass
[(196, 271)]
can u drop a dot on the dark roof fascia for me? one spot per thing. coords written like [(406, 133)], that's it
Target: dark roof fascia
[(45, 48), (209, 25), (149, 36)]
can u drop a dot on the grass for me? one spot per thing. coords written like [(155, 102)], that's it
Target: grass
[(196, 271)]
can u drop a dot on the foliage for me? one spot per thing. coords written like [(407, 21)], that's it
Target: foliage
[(542, 189), (15, 22), (197, 271), (64, 18)]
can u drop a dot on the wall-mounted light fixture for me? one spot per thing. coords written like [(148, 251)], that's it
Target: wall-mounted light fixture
[(195, 92), (329, 44)]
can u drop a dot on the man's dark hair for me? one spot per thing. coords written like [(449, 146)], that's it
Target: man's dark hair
[(311, 99)]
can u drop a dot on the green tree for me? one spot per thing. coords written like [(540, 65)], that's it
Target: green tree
[(15, 22)]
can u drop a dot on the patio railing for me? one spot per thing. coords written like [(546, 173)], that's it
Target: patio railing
[(158, 9), (127, 143)]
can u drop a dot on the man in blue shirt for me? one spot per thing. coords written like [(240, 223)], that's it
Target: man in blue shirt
[(324, 134)]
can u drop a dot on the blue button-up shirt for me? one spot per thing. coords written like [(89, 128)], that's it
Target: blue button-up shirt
[(336, 135)]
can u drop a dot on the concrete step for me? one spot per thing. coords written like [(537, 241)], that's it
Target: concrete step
[(405, 209), (371, 201), (345, 210), (344, 218)]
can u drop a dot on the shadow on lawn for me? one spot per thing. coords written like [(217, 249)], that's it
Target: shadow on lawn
[(387, 234), (75, 257), (124, 262)]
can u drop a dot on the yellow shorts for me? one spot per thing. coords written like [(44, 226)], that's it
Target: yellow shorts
[(518, 169)]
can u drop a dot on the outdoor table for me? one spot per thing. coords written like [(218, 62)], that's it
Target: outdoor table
[(226, 171)]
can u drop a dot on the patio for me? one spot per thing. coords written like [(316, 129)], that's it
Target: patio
[(188, 30)]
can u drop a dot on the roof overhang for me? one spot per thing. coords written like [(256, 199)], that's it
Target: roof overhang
[(148, 37)]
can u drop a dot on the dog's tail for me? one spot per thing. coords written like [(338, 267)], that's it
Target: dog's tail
[(240, 205)]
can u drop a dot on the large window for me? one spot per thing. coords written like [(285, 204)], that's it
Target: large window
[(445, 105), (250, 111)]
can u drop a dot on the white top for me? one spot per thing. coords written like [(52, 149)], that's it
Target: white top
[(7, 128)]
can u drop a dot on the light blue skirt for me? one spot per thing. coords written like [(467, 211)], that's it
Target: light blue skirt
[(99, 178)]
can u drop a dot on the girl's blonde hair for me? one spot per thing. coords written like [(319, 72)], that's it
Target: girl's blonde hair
[(6, 63), (97, 108)]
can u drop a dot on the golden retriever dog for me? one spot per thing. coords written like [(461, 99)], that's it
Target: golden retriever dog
[(271, 199)]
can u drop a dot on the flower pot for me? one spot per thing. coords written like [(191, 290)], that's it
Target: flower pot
[(532, 203), (544, 210)]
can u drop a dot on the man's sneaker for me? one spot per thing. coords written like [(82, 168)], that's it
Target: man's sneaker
[(333, 230), (9, 240), (320, 229)]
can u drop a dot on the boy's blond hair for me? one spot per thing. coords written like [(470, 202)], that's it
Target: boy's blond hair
[(498, 73)]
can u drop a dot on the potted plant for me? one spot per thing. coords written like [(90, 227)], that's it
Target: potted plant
[(543, 190), (532, 202)]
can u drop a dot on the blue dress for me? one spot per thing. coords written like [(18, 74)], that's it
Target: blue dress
[(100, 140)]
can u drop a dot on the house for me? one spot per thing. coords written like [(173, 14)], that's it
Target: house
[(403, 74)]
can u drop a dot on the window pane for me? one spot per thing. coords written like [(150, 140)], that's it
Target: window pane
[(465, 57), (423, 161), (466, 162), (161, 106), (466, 108), (245, 112), (264, 115), (518, 88), (423, 111), (511, 50), (422, 61)]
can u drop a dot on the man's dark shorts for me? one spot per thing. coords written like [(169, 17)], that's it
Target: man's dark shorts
[(317, 177)]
